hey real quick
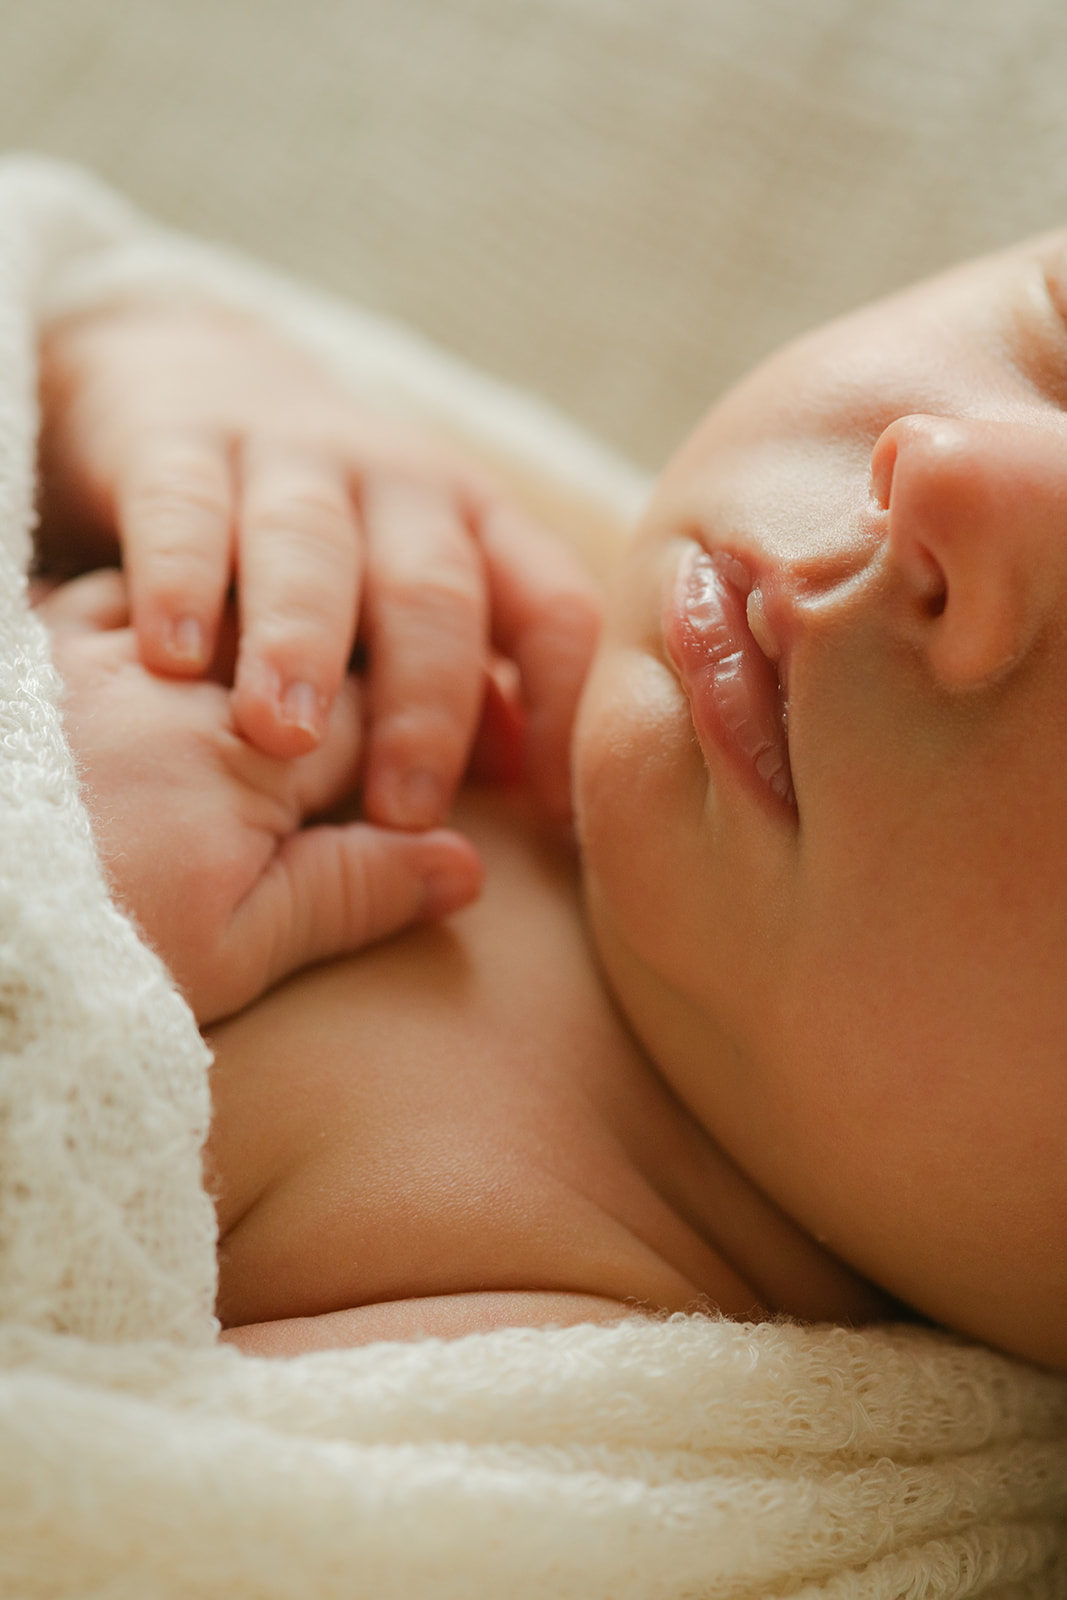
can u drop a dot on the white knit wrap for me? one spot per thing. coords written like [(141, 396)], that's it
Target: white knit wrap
[(139, 1460)]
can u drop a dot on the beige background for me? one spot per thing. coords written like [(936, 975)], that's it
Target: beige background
[(618, 203)]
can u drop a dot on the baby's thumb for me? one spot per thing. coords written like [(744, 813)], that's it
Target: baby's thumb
[(331, 890)]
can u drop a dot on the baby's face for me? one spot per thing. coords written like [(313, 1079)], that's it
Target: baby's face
[(822, 784)]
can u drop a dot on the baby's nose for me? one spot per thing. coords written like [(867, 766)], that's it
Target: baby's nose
[(977, 515)]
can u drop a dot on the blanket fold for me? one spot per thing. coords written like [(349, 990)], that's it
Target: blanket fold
[(138, 1459)]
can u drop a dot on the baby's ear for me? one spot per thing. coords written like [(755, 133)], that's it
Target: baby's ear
[(977, 534)]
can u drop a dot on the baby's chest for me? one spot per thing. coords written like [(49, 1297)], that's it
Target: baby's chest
[(439, 1115), (381, 1153)]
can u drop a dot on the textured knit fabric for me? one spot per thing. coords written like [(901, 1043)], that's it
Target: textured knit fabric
[(620, 204), (140, 1461)]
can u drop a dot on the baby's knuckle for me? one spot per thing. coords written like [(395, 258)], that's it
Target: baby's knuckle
[(315, 517), (179, 474), (298, 625), (175, 565), (172, 507), (424, 733), (443, 598)]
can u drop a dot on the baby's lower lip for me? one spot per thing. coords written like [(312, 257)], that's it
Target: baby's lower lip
[(734, 694)]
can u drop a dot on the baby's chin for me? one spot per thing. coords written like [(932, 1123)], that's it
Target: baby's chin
[(943, 1214), (976, 1244)]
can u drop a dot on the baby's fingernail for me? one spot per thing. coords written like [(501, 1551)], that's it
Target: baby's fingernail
[(416, 800), (185, 641), (302, 707)]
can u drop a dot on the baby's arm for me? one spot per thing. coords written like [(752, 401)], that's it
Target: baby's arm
[(201, 834), (439, 1316), (207, 450)]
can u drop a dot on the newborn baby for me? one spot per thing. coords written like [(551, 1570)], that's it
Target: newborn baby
[(803, 1049)]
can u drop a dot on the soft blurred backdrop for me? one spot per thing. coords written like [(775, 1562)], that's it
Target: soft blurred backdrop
[(619, 204)]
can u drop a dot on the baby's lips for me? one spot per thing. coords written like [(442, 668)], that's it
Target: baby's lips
[(728, 667)]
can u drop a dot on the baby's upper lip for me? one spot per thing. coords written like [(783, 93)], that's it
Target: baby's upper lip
[(770, 616)]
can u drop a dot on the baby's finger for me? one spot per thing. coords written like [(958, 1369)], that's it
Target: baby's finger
[(173, 505), (97, 602), (546, 618), (298, 566), (331, 890), (327, 777), (425, 626)]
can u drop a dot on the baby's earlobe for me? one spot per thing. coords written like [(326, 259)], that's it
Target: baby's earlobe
[(976, 512)]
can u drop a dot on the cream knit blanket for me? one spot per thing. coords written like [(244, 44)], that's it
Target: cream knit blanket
[(141, 1461)]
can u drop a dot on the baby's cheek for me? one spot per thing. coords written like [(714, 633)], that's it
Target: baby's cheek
[(638, 773)]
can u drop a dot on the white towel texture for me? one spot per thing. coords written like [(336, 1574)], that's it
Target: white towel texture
[(141, 1461)]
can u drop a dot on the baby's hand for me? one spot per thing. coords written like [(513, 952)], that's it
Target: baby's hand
[(207, 451), (201, 834)]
